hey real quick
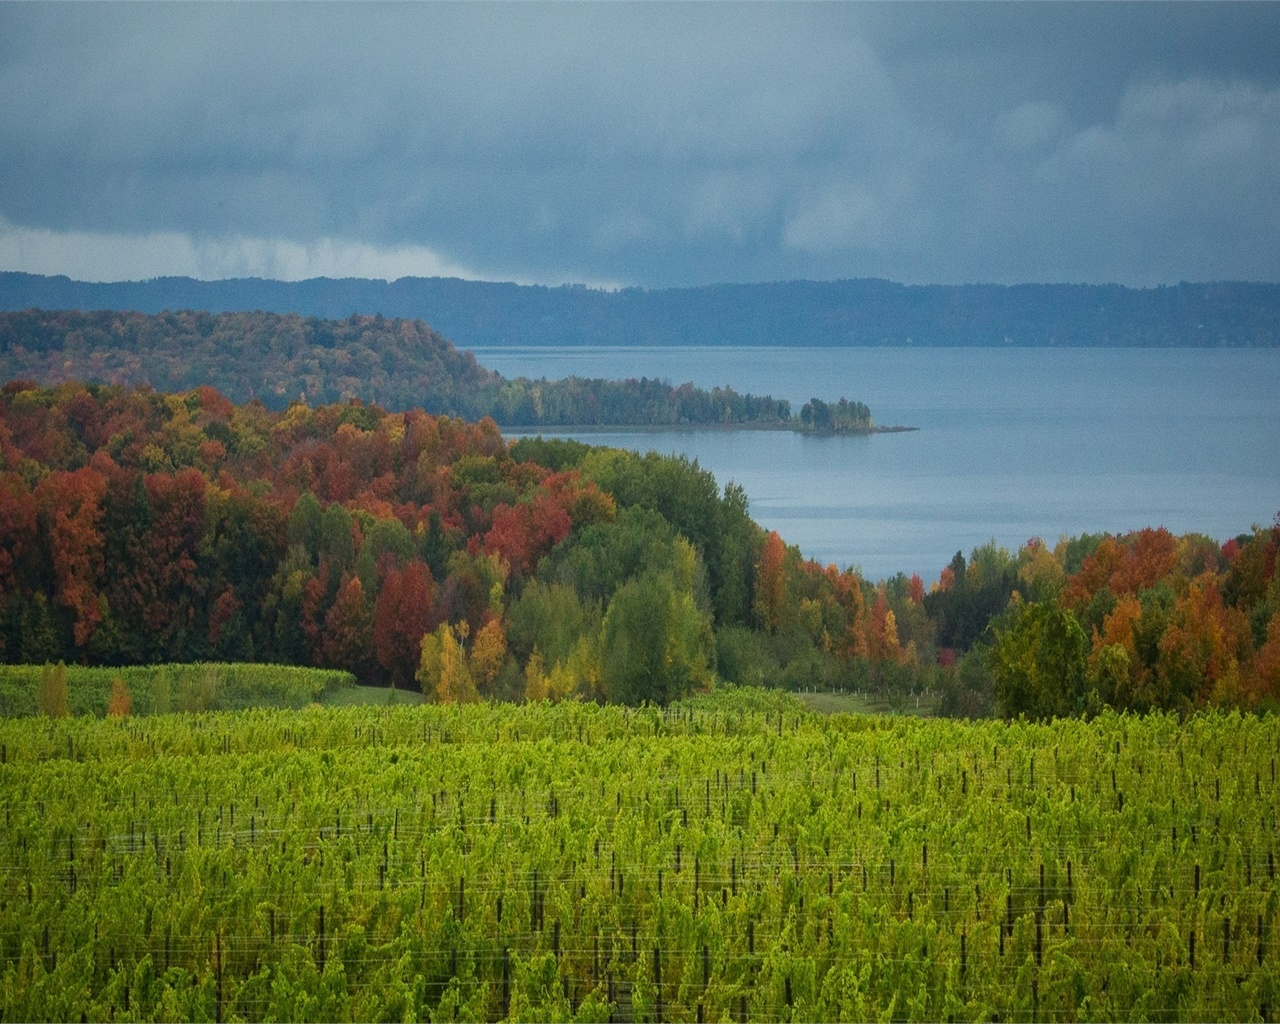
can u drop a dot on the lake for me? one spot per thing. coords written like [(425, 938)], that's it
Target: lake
[(1013, 443)]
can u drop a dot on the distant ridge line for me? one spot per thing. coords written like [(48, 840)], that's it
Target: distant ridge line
[(858, 312)]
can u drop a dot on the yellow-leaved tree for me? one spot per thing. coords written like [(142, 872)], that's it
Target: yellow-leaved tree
[(488, 654), (535, 679), (443, 672)]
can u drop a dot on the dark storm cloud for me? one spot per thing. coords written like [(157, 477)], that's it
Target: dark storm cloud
[(650, 144)]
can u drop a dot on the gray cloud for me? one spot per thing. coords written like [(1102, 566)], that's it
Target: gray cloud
[(649, 144)]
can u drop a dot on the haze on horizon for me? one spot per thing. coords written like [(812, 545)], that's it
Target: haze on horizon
[(651, 145)]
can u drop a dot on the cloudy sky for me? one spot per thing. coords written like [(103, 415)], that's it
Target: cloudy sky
[(652, 145)]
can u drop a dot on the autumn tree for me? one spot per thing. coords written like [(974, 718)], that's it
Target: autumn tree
[(882, 632), (1263, 680), (121, 703), (70, 510), (348, 631), (443, 672), (536, 687), (1202, 648), (1040, 574), (771, 584), (1121, 676), (403, 614), (488, 654)]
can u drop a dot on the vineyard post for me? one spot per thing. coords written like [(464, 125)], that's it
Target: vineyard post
[(217, 959), (657, 983), (506, 981)]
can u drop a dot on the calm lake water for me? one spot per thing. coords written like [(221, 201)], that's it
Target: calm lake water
[(1013, 443)]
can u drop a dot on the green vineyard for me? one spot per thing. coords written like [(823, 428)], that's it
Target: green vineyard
[(735, 858)]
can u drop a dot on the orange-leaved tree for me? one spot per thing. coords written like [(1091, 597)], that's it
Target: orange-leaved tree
[(121, 703)]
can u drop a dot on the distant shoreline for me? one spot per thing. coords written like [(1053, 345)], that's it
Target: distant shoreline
[(863, 312)]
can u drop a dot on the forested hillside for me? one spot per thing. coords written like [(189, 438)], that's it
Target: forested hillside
[(399, 364), (857, 312), (144, 527)]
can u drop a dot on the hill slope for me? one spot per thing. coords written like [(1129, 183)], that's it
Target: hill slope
[(400, 364)]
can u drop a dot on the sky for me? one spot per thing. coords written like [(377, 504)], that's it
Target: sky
[(650, 145)]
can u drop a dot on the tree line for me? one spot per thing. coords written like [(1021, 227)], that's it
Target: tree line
[(142, 527)]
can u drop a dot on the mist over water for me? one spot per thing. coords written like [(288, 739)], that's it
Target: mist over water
[(1013, 443)]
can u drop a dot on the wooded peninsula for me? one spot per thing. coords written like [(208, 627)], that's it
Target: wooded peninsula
[(398, 364)]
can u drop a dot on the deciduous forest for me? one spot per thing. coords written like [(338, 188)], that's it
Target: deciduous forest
[(139, 526)]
